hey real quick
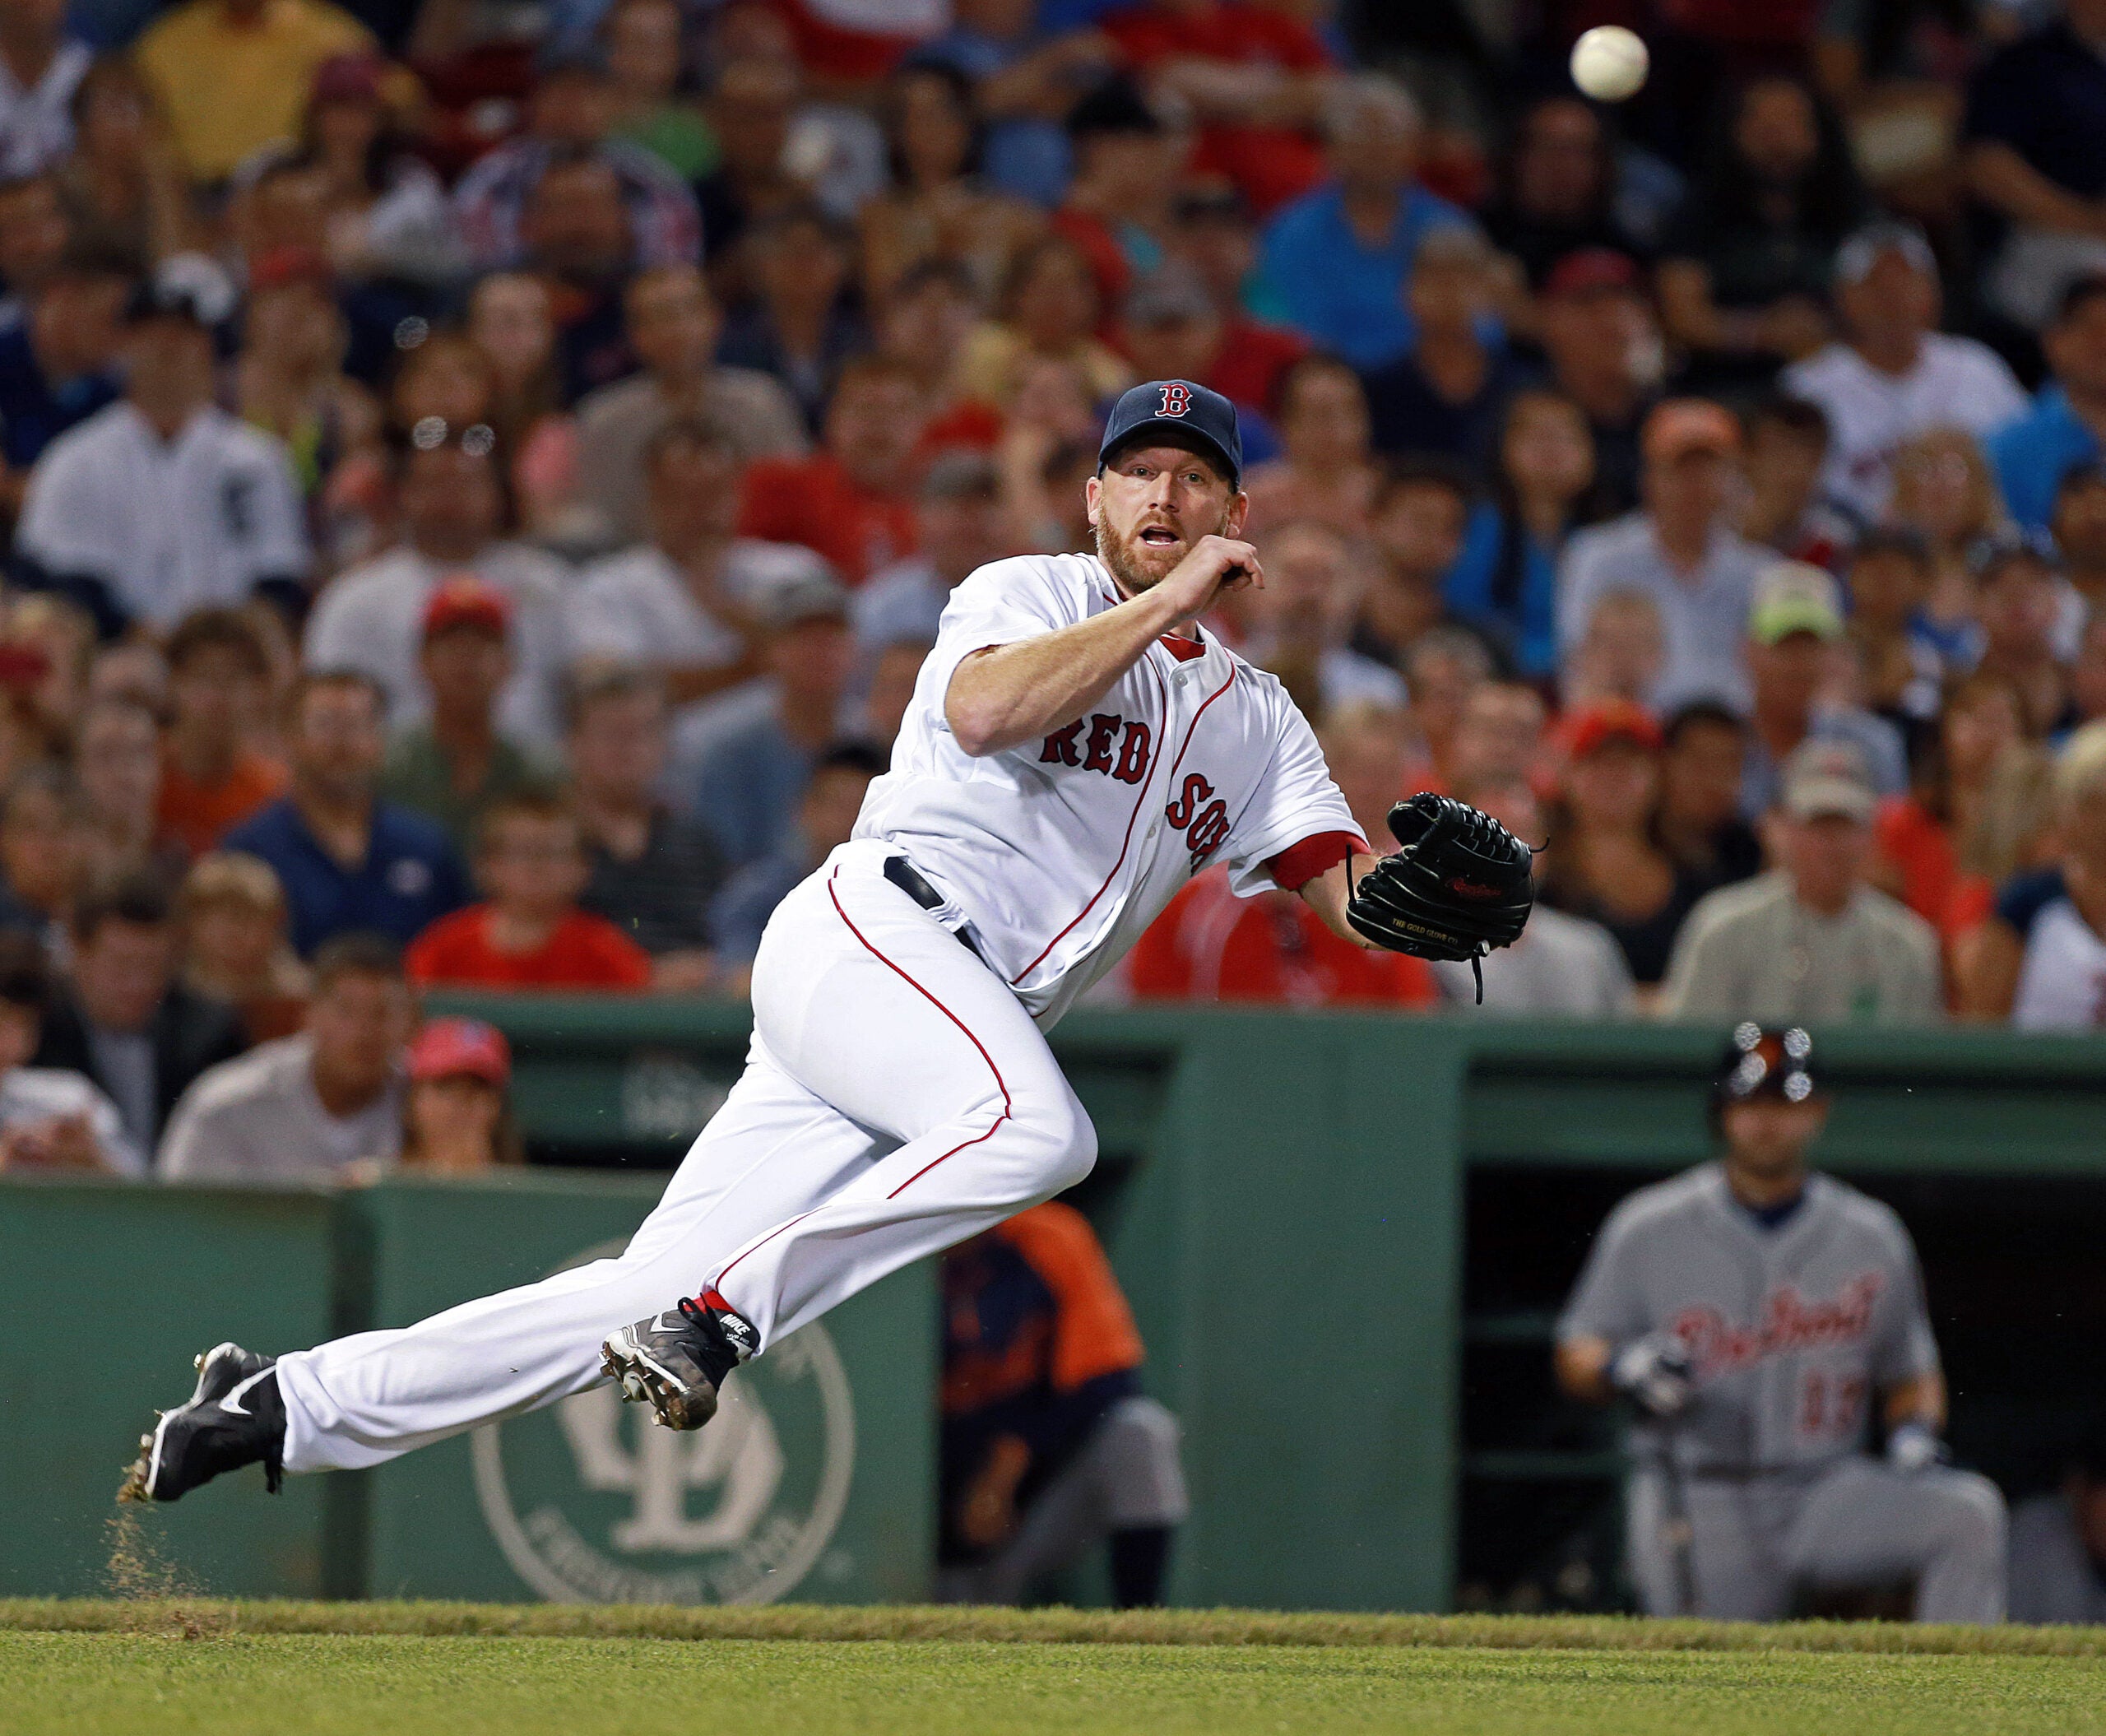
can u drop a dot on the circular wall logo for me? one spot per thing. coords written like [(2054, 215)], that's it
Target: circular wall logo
[(591, 1502)]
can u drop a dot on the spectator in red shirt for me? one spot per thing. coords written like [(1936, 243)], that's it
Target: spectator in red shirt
[(1255, 76), (529, 933), (853, 500)]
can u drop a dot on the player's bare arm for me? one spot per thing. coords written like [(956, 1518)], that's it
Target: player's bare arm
[(1332, 890), (1167, 519), (1006, 695)]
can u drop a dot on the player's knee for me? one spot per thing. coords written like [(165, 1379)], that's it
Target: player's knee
[(1972, 1515), (1057, 1131)]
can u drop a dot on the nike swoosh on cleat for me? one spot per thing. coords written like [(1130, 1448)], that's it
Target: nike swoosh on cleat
[(232, 1401)]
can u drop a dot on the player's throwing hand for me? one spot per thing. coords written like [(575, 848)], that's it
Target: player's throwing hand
[(1215, 566)]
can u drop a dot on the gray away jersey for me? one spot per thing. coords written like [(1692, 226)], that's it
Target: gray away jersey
[(1793, 1331)]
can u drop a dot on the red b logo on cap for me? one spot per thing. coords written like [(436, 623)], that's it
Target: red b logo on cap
[(1177, 399)]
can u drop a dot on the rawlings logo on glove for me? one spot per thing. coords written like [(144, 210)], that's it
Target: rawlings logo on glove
[(1460, 885)]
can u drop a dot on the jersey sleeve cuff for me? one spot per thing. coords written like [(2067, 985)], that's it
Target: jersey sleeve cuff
[(1299, 863)]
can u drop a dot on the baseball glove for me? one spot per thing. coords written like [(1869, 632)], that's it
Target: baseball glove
[(1461, 885)]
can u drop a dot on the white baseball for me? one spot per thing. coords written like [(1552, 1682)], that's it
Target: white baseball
[(1610, 63)]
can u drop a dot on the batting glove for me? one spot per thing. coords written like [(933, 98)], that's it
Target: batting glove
[(1913, 1448), (1654, 1373)]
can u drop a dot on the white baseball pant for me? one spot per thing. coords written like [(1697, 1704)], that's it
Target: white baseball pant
[(897, 1099)]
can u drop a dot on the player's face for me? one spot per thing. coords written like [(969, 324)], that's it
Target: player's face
[(1768, 1137), (1151, 505)]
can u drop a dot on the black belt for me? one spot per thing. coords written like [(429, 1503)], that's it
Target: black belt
[(903, 874)]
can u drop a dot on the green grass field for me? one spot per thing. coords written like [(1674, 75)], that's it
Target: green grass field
[(144, 1668)]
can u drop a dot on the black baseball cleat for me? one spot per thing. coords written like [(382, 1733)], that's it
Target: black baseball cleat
[(235, 1418), (676, 1362)]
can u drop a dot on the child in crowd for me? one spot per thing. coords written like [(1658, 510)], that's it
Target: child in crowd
[(530, 933), (234, 916)]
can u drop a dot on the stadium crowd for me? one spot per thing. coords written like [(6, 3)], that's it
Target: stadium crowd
[(481, 477)]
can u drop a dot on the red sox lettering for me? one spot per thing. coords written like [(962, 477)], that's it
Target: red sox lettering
[(1790, 1323), (1204, 828), (1177, 399), (1093, 752)]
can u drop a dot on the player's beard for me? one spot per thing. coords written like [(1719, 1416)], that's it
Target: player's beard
[(1136, 566)]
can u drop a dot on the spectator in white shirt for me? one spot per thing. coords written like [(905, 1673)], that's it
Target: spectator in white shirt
[(163, 503), (450, 489), (50, 1117), (1679, 551), (961, 526), (305, 1108), (1897, 375), (682, 604)]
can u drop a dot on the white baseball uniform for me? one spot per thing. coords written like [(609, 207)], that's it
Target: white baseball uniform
[(899, 1095)]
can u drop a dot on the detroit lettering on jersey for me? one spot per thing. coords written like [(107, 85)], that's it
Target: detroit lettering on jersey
[(1059, 852), (1790, 1323)]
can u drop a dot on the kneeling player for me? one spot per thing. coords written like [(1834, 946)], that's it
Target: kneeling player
[(1754, 1313), (1049, 1446)]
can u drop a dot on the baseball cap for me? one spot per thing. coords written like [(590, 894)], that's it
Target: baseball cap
[(1610, 720), (1794, 597), (1824, 780), (1762, 1061), (1860, 252), (464, 601), (1182, 408), (1680, 426), (190, 286), (806, 597), (1591, 270), (447, 1047)]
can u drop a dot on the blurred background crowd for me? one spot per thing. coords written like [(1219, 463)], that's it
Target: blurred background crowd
[(480, 477)]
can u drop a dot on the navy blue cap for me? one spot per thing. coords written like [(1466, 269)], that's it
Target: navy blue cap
[(1177, 407)]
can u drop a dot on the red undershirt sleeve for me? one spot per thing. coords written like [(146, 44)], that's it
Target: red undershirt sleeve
[(1299, 863)]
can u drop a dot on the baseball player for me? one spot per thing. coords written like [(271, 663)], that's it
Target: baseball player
[(1755, 1316), (1078, 747)]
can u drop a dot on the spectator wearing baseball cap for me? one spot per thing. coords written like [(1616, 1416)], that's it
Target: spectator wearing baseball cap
[(743, 763), (232, 75), (1894, 375), (455, 514), (1810, 942), (1795, 630), (457, 1111), (1680, 550), (451, 766), (163, 503), (1607, 867), (1601, 339)]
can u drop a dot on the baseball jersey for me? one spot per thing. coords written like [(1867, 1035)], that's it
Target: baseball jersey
[(170, 526), (1791, 1332), (1057, 854)]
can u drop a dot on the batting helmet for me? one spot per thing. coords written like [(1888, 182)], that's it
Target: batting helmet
[(1764, 1063)]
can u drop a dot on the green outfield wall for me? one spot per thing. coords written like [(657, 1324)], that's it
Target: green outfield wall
[(1283, 1198)]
